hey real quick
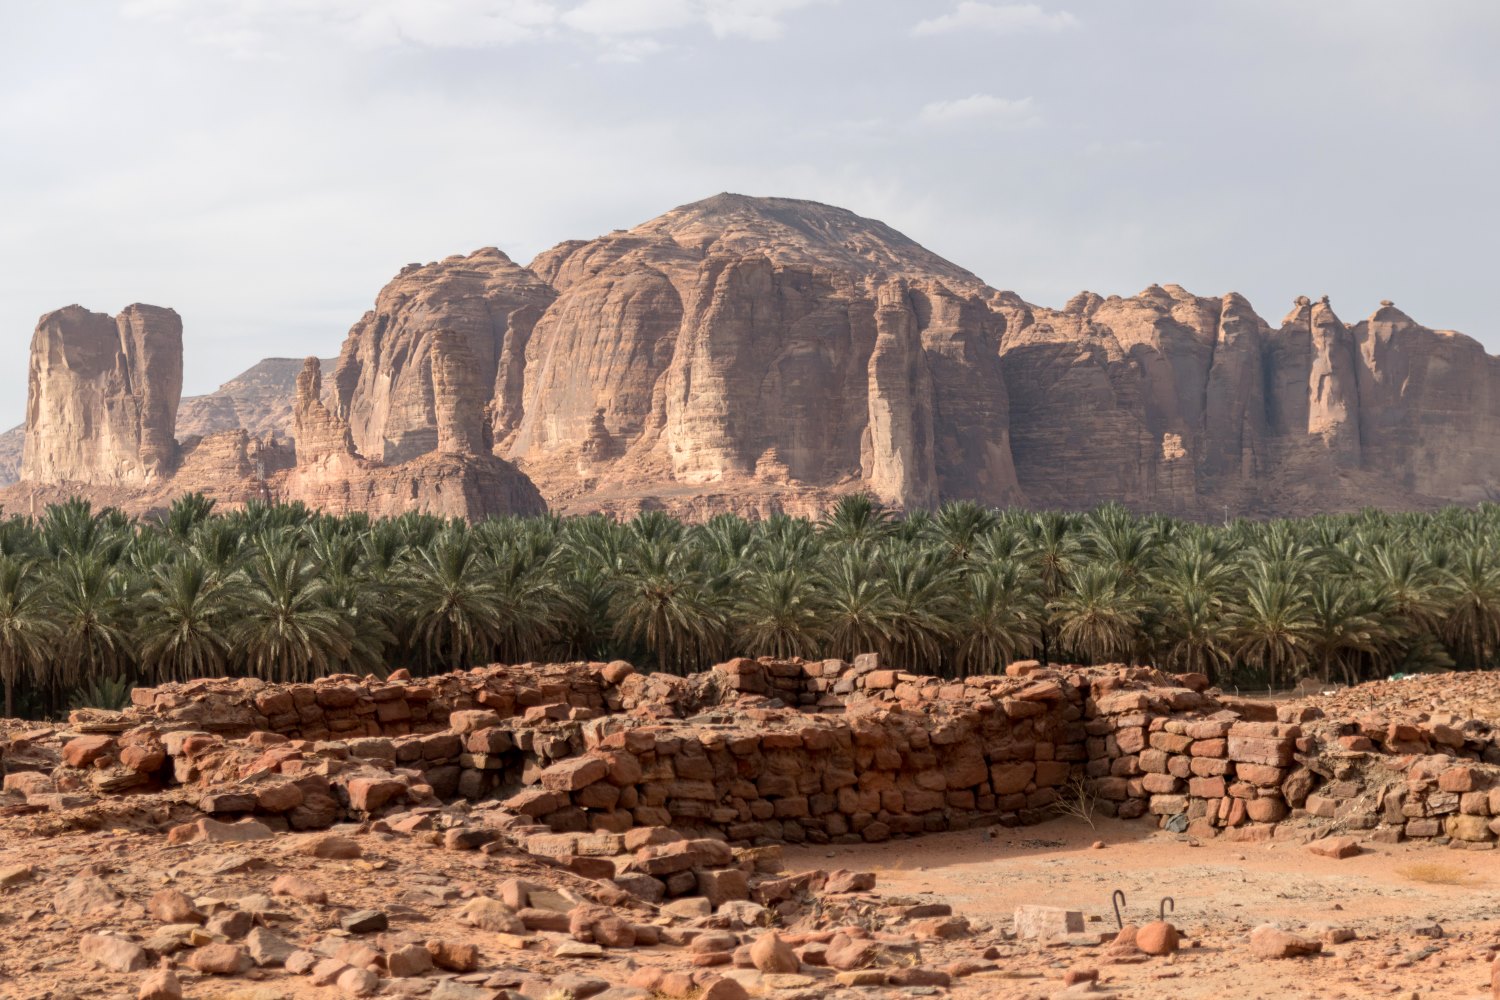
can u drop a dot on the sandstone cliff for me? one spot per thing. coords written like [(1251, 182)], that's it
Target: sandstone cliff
[(459, 479), (258, 400), (779, 351), (103, 394), (384, 381), (83, 402), (763, 354), (12, 446), (1196, 406), (757, 355)]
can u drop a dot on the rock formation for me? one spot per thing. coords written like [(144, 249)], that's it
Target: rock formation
[(759, 355), (12, 447), (103, 395), (460, 479), (769, 346), (384, 382), (1195, 406), (258, 399), (83, 402)]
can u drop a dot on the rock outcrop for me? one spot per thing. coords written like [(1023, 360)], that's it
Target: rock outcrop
[(12, 447), (1195, 406), (384, 382), (103, 395), (78, 389), (459, 479), (258, 400), (780, 350), (758, 355)]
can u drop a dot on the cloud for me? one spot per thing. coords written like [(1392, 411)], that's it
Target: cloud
[(981, 107), (260, 28), (254, 28), (998, 18)]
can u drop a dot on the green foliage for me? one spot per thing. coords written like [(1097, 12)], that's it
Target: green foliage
[(110, 693), (91, 602)]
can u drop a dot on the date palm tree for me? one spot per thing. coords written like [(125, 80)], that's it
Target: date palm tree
[(777, 613), (921, 585), (27, 630), (287, 628), (857, 519), (961, 526), (1347, 618), (858, 605), (662, 604), (185, 619), (1097, 615), (1273, 622), (451, 604), (1472, 626), (92, 613), (998, 618), (1054, 550)]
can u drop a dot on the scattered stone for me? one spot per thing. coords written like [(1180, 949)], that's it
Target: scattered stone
[(1034, 922), (769, 953), (357, 982), (266, 949), (455, 956), (15, 875), (1337, 848), (577, 949), (160, 985), (85, 896), (230, 924), (412, 960), (113, 953), (1268, 941), (300, 889), (173, 906), (1157, 938), (365, 922), (220, 960), (491, 915)]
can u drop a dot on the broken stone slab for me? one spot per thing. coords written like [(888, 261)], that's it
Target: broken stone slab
[(1043, 922)]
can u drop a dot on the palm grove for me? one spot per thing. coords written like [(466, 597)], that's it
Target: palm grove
[(91, 602)]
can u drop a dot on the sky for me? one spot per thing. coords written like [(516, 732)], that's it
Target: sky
[(264, 166)]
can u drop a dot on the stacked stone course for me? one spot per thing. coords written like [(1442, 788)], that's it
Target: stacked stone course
[(575, 756)]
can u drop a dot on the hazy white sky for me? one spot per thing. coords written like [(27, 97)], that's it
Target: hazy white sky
[(264, 166)]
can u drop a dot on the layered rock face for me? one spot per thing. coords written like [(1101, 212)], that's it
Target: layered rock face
[(776, 344), (101, 425), (258, 400), (384, 382), (1195, 406), (739, 353), (459, 479), (761, 355), (103, 395), (12, 447)]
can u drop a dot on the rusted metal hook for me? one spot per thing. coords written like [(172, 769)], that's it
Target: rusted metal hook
[(1162, 911), (1118, 899)]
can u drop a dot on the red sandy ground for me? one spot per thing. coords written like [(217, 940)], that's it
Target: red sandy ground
[(1222, 890)]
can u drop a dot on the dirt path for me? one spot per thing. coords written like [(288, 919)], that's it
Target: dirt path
[(1222, 890)]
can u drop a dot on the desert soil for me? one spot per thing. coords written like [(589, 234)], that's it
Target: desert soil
[(1221, 891)]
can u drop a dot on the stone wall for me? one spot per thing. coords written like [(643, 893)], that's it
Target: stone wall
[(569, 757)]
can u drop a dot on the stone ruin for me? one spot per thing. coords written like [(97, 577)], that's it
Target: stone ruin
[(632, 811), (572, 761)]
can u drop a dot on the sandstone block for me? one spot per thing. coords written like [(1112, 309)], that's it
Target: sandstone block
[(1033, 922)]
